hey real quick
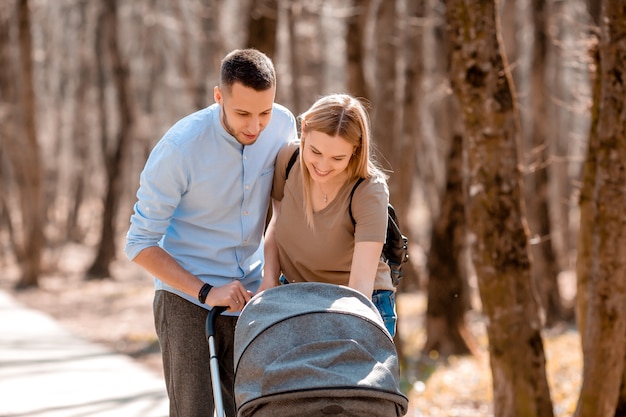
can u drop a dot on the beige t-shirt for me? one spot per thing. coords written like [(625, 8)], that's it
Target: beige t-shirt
[(324, 253)]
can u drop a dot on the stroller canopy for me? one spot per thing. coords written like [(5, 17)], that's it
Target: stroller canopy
[(313, 349)]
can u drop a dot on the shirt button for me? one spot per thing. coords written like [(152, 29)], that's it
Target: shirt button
[(245, 213), (247, 187)]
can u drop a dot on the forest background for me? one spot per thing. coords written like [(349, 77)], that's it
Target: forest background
[(501, 124)]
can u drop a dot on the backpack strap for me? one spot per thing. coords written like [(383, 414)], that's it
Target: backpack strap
[(350, 204), (292, 161), (396, 247)]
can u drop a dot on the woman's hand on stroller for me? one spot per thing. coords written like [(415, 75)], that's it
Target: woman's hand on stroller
[(233, 295)]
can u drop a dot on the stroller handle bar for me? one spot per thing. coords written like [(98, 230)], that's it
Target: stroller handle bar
[(210, 321), (214, 365)]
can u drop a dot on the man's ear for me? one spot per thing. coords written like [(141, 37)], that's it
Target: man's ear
[(217, 95)]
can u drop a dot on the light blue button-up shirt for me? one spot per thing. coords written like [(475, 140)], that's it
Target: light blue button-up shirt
[(203, 197)]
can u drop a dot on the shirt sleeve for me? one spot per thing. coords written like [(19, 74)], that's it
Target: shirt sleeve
[(162, 183), (369, 209), (282, 160)]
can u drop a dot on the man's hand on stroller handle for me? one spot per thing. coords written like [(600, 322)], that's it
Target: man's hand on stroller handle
[(232, 295)]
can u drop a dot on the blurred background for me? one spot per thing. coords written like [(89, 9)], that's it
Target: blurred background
[(98, 82), (88, 87)]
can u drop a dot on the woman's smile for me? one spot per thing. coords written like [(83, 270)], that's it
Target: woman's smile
[(321, 173)]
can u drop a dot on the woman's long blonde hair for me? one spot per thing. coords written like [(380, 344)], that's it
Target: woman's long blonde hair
[(344, 116)]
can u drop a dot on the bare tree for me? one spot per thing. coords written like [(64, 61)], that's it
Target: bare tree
[(8, 125), (595, 9), (385, 118), (447, 286), (448, 296), (32, 197), (114, 152), (587, 205), (545, 268), (184, 52), (211, 44), (495, 211), (305, 49), (410, 40), (355, 50), (81, 126), (395, 111), (262, 26), (604, 247), (22, 149), (566, 110)]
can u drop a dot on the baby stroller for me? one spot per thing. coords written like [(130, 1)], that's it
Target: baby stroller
[(313, 349)]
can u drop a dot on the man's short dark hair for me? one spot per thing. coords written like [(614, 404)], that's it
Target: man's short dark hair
[(249, 67)]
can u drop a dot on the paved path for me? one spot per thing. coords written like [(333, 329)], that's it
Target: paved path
[(46, 371)]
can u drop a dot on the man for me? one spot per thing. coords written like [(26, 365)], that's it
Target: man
[(199, 220)]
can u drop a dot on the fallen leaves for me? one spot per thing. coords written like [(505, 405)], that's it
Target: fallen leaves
[(461, 387)]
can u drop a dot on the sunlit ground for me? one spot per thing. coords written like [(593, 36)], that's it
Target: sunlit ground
[(459, 388), (462, 386)]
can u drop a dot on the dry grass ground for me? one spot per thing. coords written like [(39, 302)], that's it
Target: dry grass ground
[(118, 313), (462, 386)]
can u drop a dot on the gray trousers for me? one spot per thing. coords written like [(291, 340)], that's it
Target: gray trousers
[(180, 327)]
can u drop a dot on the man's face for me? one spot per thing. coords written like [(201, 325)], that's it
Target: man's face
[(244, 112)]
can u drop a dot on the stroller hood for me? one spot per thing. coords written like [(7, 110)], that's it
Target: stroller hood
[(315, 349)]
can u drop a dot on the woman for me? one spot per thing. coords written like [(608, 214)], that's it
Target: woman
[(311, 236)]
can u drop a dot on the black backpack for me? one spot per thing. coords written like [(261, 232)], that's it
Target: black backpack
[(396, 246)]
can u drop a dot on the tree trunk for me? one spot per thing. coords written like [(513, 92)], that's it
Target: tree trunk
[(545, 268), (28, 168), (448, 298), (587, 204), (306, 53), (385, 108), (114, 158), (355, 50), (495, 210), (184, 56), (595, 9), (81, 129), (604, 344), (405, 147), (262, 26), (9, 121), (211, 47), (530, 80), (567, 88)]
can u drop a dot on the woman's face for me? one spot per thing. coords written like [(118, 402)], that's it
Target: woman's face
[(326, 157)]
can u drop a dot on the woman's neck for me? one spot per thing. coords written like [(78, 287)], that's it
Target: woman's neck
[(324, 193)]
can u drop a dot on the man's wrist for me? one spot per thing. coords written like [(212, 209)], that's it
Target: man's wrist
[(204, 291)]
